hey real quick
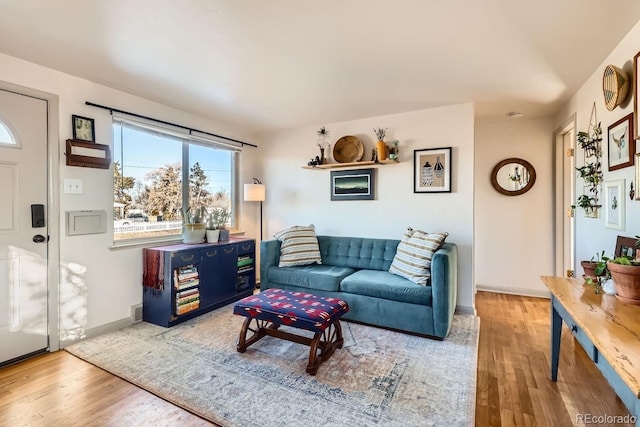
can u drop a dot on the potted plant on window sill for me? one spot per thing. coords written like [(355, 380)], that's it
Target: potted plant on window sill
[(193, 229), (216, 225)]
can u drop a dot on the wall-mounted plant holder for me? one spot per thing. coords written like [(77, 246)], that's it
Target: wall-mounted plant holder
[(591, 172), (87, 154)]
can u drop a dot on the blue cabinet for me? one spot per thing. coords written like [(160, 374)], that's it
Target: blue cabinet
[(181, 282)]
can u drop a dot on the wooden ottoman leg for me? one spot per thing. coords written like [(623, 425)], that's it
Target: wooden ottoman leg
[(331, 339), (258, 331)]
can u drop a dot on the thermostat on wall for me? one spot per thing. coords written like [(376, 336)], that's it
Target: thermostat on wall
[(86, 222)]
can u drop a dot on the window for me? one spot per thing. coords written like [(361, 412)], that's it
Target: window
[(158, 170), (6, 136)]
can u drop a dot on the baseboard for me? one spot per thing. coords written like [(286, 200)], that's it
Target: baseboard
[(99, 330), (463, 309), (543, 293)]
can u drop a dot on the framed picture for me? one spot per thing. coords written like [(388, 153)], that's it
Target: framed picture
[(83, 128), (353, 184), (432, 170), (622, 146), (625, 246), (614, 204), (637, 191), (636, 93)]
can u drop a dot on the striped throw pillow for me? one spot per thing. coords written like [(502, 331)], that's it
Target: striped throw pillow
[(299, 246), (414, 254)]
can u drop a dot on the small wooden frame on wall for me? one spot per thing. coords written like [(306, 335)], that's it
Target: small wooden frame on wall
[(621, 145), (83, 128), (88, 154), (636, 92), (432, 170)]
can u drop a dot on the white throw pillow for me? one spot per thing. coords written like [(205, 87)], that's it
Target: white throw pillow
[(299, 246), (414, 254)]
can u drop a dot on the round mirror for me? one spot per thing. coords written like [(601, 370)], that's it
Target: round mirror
[(512, 177)]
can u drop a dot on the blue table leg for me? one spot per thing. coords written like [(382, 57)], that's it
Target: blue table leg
[(556, 333)]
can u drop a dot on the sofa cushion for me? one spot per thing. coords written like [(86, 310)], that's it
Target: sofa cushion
[(382, 284), (299, 246), (357, 252), (323, 277), (414, 254)]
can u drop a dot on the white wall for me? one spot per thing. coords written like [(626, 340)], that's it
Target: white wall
[(591, 234), (111, 283), (513, 234), (297, 196)]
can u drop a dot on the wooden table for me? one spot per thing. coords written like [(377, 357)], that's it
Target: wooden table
[(608, 330)]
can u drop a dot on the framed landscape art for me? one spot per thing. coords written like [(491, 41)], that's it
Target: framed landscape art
[(432, 170), (353, 185)]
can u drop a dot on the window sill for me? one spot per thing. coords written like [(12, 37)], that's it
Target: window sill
[(164, 241)]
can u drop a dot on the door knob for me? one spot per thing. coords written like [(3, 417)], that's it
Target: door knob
[(39, 238)]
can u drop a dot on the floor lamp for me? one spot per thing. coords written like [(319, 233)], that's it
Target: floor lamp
[(255, 193)]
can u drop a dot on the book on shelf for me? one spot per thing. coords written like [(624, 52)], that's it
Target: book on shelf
[(185, 308), (186, 276), (245, 268), (244, 261)]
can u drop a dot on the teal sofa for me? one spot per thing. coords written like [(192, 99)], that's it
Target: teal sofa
[(355, 270)]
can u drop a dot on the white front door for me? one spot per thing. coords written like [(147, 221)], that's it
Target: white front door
[(23, 226)]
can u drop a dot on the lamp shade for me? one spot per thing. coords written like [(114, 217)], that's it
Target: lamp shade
[(254, 193)]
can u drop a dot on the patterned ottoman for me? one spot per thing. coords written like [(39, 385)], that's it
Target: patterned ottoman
[(275, 307)]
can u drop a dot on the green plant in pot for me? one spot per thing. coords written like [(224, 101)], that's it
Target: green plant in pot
[(596, 272), (625, 272), (216, 224), (193, 229)]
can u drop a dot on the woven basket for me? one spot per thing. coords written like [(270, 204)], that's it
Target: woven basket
[(615, 86)]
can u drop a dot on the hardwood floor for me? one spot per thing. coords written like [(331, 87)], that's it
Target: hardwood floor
[(513, 386)]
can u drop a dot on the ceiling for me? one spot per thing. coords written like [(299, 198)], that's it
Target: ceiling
[(268, 65)]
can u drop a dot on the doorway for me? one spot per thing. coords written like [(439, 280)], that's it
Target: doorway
[(26, 276), (564, 200)]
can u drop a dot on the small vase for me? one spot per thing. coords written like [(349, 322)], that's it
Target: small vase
[(381, 148), (323, 159), (212, 236)]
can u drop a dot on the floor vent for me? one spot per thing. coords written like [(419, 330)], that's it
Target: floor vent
[(136, 313)]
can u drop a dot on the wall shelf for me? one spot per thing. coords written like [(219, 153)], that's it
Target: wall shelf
[(351, 164)]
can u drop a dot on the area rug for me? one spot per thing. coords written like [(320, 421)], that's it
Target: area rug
[(378, 378)]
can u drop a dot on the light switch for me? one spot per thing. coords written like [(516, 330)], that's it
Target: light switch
[(72, 186)]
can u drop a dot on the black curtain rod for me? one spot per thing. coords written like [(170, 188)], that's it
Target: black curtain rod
[(140, 116)]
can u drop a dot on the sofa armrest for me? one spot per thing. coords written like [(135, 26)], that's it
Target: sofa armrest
[(269, 257), (444, 287)]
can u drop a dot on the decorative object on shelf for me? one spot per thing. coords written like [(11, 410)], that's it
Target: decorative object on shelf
[(353, 184), (83, 128), (88, 154), (614, 199), (322, 143), (216, 220), (513, 177), (348, 149), (394, 150), (636, 88), (591, 173), (193, 228), (622, 146), (432, 170), (256, 192), (381, 147), (615, 86)]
